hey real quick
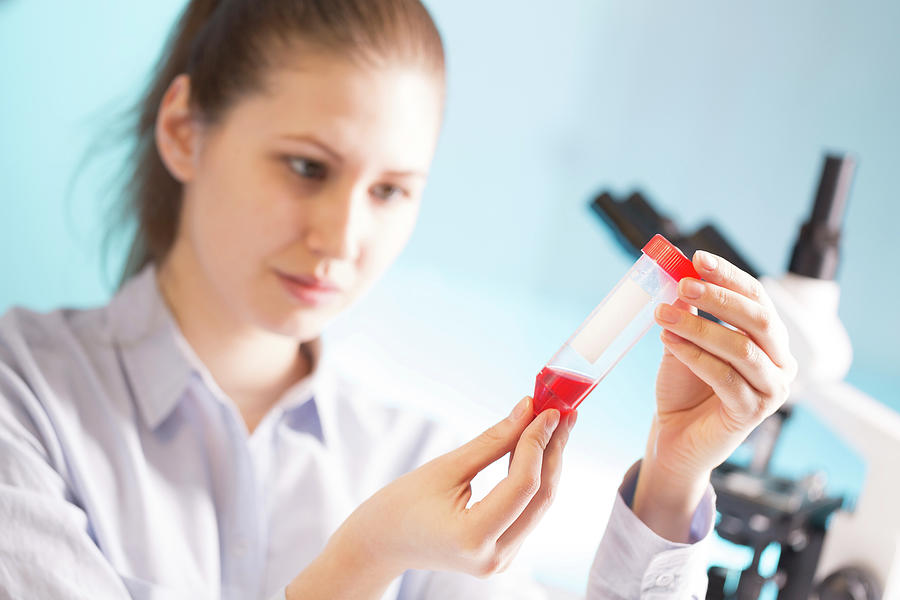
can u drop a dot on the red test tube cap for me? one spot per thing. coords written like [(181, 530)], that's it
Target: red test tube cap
[(669, 258)]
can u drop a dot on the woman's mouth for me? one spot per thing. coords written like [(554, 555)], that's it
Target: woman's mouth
[(308, 289)]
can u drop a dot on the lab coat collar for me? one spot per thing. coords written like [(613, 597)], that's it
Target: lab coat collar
[(160, 364), (145, 334)]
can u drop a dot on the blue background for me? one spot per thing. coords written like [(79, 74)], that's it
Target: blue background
[(718, 111)]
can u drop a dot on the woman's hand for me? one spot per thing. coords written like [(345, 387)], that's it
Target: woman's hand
[(715, 385), (421, 520)]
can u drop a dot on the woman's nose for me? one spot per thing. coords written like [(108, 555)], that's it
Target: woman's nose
[(335, 225)]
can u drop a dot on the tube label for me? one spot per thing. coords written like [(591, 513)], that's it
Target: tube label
[(609, 319)]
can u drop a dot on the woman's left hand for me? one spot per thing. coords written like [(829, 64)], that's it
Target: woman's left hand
[(715, 385)]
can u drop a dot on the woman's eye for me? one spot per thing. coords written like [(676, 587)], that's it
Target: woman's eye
[(309, 169), (386, 191)]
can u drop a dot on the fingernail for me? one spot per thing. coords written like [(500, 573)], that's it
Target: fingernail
[(570, 420), (667, 313), (707, 260), (520, 409), (552, 420), (691, 288)]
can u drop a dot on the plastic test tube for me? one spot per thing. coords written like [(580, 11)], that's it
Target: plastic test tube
[(613, 327)]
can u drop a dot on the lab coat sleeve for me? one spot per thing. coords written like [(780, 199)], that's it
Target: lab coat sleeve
[(46, 550), (634, 562)]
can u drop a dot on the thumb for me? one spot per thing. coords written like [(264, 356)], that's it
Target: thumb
[(493, 443)]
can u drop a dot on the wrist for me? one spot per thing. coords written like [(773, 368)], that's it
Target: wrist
[(666, 501), (346, 568)]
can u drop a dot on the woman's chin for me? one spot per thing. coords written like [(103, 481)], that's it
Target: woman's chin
[(301, 325)]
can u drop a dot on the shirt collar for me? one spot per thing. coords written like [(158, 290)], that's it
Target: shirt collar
[(160, 364)]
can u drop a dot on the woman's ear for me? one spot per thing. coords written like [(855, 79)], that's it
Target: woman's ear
[(177, 132)]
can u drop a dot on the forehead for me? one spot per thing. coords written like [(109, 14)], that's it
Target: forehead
[(390, 112)]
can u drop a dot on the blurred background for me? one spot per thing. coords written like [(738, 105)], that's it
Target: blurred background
[(716, 111)]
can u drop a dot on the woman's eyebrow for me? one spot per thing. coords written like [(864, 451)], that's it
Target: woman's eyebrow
[(310, 139), (412, 173)]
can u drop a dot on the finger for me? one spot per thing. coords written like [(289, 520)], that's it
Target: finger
[(685, 306), (716, 269), (741, 404), (503, 504), (474, 456), (759, 321), (564, 419), (551, 469), (733, 347)]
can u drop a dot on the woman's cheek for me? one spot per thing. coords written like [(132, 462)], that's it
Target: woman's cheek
[(387, 242), (401, 227)]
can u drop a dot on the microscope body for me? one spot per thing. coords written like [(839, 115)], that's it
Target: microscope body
[(865, 539)]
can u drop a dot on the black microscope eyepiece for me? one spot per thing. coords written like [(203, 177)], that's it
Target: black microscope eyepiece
[(816, 252)]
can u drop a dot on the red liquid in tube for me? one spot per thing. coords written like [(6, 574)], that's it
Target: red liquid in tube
[(560, 389)]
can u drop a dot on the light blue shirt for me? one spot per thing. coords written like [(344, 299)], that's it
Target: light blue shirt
[(126, 472)]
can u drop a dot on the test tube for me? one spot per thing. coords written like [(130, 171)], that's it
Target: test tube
[(612, 328)]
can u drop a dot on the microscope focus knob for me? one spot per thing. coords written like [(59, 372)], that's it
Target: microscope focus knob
[(849, 583)]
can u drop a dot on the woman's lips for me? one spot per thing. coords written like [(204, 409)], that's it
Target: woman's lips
[(309, 290)]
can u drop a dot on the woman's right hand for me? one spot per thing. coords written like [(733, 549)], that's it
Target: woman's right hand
[(421, 520)]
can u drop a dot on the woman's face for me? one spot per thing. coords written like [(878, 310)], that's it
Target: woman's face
[(319, 177)]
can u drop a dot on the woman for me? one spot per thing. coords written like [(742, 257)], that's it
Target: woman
[(189, 440)]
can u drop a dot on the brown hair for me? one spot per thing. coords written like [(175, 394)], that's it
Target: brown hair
[(224, 47)]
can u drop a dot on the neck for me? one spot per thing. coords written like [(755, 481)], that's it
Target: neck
[(252, 366)]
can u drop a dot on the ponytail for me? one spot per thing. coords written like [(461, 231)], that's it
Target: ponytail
[(155, 196)]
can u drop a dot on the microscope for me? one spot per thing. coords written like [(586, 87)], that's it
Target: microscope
[(827, 551)]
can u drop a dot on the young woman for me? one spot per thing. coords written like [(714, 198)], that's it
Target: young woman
[(189, 439)]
